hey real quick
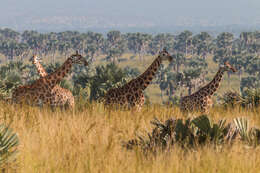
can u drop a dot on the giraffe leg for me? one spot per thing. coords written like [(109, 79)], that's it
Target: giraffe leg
[(203, 108), (71, 102), (139, 103)]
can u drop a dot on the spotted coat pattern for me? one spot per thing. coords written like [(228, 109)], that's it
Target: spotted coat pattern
[(201, 101), (61, 96), (43, 91), (131, 94)]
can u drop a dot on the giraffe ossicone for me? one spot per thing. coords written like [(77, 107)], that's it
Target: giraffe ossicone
[(201, 101), (131, 94), (44, 90)]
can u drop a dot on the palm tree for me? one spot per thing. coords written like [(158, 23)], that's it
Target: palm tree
[(138, 43), (105, 77), (115, 45), (184, 40), (178, 60), (9, 34), (224, 40), (170, 82), (202, 42)]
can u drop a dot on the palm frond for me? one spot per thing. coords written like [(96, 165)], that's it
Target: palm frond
[(8, 144)]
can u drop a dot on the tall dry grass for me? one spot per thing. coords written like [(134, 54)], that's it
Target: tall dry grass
[(89, 139)]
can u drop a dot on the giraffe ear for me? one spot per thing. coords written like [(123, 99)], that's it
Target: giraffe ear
[(39, 58), (227, 63)]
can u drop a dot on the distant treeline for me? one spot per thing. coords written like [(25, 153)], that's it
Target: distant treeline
[(189, 50), (114, 43)]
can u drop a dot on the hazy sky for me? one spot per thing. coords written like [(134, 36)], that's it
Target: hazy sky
[(138, 7), (159, 9)]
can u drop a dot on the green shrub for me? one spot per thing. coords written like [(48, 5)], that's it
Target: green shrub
[(231, 99), (251, 98), (194, 132), (8, 145)]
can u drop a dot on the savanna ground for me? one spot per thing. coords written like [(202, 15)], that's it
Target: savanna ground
[(89, 139)]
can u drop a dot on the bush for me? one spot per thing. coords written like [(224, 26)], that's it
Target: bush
[(194, 132), (251, 98), (8, 145), (104, 78), (231, 99)]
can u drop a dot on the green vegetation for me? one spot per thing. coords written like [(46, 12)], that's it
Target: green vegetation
[(194, 133), (8, 147), (196, 60), (89, 138)]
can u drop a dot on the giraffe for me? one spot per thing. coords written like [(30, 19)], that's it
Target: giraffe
[(131, 94), (201, 100), (42, 91), (62, 95)]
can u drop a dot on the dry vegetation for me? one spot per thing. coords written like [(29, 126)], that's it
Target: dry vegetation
[(89, 139)]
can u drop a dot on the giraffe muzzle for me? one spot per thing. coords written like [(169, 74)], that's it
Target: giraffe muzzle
[(170, 58), (233, 70), (85, 63)]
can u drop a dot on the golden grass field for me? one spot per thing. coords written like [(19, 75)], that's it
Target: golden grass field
[(89, 139)]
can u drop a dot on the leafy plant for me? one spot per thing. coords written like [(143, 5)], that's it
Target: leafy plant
[(216, 133), (104, 78), (247, 134), (231, 99), (251, 98), (8, 145), (195, 132)]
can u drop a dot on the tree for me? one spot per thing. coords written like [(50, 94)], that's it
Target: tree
[(246, 38), (178, 60), (115, 45), (138, 43), (191, 78), (170, 82), (202, 43), (104, 78), (11, 48), (224, 46), (161, 41), (95, 43), (239, 62), (13, 74), (250, 82), (184, 41), (9, 34), (196, 62)]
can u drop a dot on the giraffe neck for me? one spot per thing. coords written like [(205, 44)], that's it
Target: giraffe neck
[(214, 84), (40, 68), (145, 79), (55, 77)]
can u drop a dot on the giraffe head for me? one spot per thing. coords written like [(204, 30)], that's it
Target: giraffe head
[(78, 59), (164, 55), (35, 59), (228, 67)]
